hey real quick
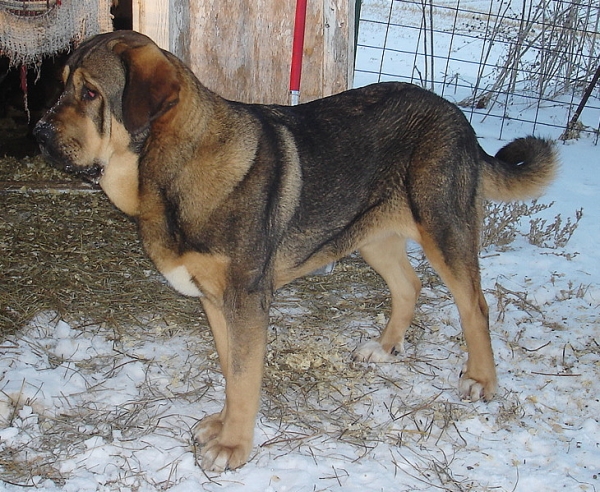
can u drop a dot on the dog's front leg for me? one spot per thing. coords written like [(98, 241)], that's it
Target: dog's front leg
[(239, 328)]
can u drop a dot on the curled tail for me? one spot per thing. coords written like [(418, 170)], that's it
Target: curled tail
[(520, 170)]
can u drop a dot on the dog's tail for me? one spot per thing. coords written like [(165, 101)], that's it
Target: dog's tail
[(520, 170)]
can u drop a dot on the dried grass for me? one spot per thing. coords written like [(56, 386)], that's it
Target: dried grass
[(72, 253)]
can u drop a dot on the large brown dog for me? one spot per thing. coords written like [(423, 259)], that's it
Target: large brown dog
[(235, 200)]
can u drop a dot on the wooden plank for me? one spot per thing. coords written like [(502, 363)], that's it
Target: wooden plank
[(179, 29), (44, 186), (311, 85), (151, 17), (242, 50), (338, 52), (328, 63)]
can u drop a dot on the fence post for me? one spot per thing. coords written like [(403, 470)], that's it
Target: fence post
[(588, 92)]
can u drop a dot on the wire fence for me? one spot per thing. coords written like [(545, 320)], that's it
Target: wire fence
[(534, 63)]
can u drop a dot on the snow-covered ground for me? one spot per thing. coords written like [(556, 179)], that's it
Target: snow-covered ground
[(85, 411)]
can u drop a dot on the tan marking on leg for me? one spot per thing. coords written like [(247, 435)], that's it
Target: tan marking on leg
[(479, 379), (231, 448), (210, 427), (388, 258), (218, 326)]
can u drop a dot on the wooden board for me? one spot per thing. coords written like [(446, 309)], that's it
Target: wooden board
[(152, 18)]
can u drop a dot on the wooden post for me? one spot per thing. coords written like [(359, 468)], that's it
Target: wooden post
[(242, 50)]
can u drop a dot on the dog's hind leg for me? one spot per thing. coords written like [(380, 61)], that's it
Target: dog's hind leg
[(457, 264), (388, 258)]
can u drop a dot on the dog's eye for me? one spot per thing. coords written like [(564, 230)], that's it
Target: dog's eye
[(89, 94)]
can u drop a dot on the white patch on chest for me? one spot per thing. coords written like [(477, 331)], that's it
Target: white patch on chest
[(181, 280)]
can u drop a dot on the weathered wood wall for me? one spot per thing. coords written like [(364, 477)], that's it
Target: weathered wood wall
[(242, 49)]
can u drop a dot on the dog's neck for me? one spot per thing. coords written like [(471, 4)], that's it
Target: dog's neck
[(209, 146)]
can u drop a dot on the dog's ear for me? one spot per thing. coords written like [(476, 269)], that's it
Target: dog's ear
[(151, 87)]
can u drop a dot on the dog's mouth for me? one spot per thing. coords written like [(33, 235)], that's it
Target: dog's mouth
[(91, 174)]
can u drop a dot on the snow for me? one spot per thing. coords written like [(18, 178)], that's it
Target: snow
[(89, 412)]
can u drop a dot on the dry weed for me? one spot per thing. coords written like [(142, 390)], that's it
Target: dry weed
[(503, 223)]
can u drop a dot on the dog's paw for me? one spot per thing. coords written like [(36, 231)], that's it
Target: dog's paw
[(218, 453), (207, 429), (218, 457), (472, 389), (372, 351)]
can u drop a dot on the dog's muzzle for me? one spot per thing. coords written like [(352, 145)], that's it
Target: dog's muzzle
[(45, 134)]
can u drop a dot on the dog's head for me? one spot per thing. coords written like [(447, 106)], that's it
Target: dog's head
[(116, 86)]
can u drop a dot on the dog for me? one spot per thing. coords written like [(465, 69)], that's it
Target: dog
[(235, 200)]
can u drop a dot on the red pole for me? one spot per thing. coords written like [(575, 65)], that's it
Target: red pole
[(297, 50)]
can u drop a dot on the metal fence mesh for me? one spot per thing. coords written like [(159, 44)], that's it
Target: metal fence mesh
[(525, 61)]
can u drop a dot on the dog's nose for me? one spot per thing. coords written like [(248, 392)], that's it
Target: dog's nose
[(42, 132)]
